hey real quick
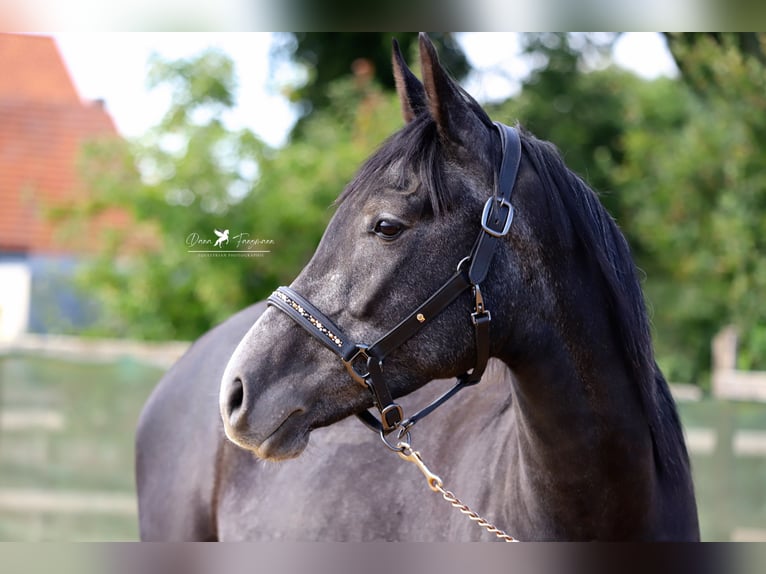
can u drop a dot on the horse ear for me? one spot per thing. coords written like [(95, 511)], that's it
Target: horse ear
[(449, 105), (411, 93)]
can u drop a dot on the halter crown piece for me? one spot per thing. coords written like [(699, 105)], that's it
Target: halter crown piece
[(365, 362)]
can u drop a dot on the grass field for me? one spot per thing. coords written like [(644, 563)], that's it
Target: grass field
[(66, 453)]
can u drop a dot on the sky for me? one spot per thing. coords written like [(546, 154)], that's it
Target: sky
[(112, 67)]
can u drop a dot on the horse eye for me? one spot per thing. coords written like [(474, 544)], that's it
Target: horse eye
[(387, 229)]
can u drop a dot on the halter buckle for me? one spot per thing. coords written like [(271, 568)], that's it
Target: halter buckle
[(390, 417), (361, 353), (480, 312), (480, 317), (501, 203)]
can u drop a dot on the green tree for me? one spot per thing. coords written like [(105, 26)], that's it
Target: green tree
[(190, 174), (579, 106), (697, 73), (698, 192), (328, 56)]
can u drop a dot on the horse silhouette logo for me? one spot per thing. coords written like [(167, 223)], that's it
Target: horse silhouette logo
[(222, 236)]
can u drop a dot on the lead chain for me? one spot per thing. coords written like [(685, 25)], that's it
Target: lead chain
[(435, 483)]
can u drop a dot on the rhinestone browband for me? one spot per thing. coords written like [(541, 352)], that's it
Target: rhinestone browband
[(305, 314)]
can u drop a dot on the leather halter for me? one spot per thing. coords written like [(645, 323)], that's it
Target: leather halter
[(495, 222)]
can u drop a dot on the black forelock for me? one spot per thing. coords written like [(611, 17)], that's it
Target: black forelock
[(417, 149)]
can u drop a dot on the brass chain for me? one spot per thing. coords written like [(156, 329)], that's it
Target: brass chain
[(435, 483), (465, 509)]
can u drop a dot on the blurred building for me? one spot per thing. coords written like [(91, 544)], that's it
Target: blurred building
[(43, 124)]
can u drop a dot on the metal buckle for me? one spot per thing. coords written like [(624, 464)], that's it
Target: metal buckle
[(361, 351), (480, 313), (394, 409), (480, 316), (485, 216)]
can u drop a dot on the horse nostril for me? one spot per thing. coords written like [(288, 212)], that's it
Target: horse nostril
[(236, 398)]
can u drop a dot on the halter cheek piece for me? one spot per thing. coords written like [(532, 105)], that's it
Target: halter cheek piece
[(365, 362)]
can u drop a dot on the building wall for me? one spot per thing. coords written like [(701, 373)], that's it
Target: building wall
[(15, 290)]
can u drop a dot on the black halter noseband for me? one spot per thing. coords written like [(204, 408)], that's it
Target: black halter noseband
[(495, 223)]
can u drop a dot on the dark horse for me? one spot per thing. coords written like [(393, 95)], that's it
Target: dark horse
[(572, 434)]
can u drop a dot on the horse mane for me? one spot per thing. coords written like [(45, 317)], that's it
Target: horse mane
[(580, 214)]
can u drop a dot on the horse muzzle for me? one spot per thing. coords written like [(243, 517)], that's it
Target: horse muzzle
[(271, 433)]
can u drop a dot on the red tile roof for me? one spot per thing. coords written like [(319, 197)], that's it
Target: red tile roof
[(33, 71), (43, 124)]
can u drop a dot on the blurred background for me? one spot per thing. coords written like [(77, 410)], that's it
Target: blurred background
[(120, 154)]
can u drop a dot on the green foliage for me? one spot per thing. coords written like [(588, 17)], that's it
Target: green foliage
[(697, 73), (191, 174), (697, 188), (584, 115), (328, 56)]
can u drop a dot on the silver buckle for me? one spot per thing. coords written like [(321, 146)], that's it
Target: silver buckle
[(475, 317), (479, 311), (485, 217)]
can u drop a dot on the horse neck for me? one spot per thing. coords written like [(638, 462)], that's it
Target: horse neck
[(580, 435), (574, 400)]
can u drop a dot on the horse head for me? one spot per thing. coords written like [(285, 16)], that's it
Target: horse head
[(401, 228)]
